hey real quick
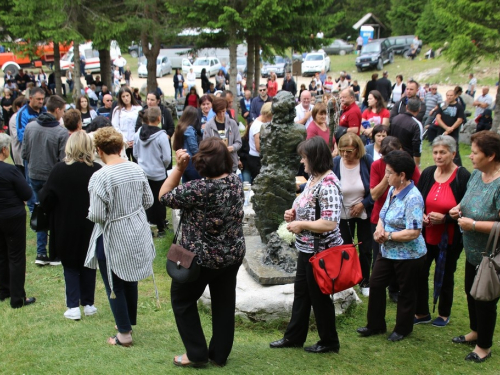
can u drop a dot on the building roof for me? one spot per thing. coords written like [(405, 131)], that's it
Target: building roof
[(365, 18)]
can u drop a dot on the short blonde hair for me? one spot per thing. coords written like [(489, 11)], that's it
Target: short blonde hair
[(266, 109), (79, 148), (351, 139), (108, 140)]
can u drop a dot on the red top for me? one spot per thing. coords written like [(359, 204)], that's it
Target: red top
[(377, 173), (272, 88), (351, 117), (440, 199), (313, 130), (368, 115), (192, 100)]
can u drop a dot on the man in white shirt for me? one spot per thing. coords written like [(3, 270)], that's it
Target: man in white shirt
[(120, 62), (304, 109), (483, 102), (239, 78), (359, 44), (471, 89)]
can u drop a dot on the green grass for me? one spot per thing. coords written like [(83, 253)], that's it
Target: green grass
[(38, 340), (439, 71)]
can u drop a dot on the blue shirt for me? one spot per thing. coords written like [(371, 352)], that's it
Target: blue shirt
[(404, 211)]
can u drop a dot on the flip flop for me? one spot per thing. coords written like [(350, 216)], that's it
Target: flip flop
[(178, 362), (114, 341)]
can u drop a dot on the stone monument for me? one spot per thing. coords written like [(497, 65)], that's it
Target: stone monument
[(274, 187)]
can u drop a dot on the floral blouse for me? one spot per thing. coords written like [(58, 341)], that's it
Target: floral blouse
[(212, 223), (404, 211), (330, 203)]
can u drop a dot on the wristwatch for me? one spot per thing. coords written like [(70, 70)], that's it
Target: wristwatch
[(389, 238)]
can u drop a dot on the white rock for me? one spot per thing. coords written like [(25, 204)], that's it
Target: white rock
[(270, 302)]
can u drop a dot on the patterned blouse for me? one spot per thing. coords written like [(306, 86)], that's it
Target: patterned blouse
[(216, 238), (481, 202), (330, 203), (404, 211)]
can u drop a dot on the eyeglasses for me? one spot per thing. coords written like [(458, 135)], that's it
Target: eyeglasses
[(347, 151), (109, 100), (261, 90)]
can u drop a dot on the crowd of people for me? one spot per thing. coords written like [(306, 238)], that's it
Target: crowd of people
[(102, 172)]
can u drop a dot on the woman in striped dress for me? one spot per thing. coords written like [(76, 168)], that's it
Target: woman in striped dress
[(121, 243)]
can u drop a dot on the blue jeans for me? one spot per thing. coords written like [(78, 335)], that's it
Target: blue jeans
[(32, 200), (178, 90), (246, 176), (41, 237)]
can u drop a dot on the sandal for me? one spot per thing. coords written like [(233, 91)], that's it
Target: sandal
[(178, 362), (115, 341)]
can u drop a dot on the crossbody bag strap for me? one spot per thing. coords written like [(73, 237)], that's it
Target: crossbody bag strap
[(178, 227), (494, 233)]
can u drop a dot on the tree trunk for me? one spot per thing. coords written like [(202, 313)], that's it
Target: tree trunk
[(76, 71), (496, 118), (256, 60), (250, 63), (151, 56), (57, 69), (106, 73), (234, 70)]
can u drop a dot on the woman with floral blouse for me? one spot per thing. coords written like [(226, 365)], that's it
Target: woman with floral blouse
[(212, 217), (402, 249)]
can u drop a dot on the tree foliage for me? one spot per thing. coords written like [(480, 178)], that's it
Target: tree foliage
[(404, 15)]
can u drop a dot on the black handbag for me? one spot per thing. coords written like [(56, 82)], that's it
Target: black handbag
[(184, 266), (39, 220), (341, 130)]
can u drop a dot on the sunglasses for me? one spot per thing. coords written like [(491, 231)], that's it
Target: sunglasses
[(262, 90)]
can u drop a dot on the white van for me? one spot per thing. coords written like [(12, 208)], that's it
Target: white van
[(92, 61)]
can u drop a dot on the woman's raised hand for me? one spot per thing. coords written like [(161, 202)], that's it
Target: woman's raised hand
[(182, 158)]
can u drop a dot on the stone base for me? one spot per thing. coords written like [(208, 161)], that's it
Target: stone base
[(266, 303), (262, 273)]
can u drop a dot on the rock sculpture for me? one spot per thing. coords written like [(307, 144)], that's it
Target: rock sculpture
[(274, 187)]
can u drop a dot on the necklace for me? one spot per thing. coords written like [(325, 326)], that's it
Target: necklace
[(492, 176)]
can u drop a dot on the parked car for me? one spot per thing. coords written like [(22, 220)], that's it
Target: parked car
[(374, 55), (135, 50), (278, 64), (338, 47), (401, 45), (315, 62), (92, 61), (211, 64), (163, 67)]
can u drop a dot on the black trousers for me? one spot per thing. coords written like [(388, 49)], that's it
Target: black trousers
[(482, 315), (222, 284), (124, 306), (129, 151), (80, 286), (253, 165), (406, 272), (446, 296), (393, 286), (306, 294), (157, 212), (365, 239), (13, 259)]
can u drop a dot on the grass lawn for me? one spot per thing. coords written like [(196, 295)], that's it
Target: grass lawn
[(37, 339)]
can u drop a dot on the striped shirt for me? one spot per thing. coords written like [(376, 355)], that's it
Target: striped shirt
[(119, 196)]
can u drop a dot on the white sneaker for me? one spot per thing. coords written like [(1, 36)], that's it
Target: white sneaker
[(365, 291), (89, 310), (73, 313)]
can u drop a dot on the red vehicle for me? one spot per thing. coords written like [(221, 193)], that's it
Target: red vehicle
[(44, 53)]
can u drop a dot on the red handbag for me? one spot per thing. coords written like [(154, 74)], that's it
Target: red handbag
[(337, 268)]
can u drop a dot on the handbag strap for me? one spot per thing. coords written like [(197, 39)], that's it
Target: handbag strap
[(204, 218), (318, 216), (494, 234)]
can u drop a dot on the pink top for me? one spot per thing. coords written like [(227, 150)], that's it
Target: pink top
[(272, 88), (313, 130), (377, 118)]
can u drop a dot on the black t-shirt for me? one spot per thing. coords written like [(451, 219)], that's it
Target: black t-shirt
[(355, 88), (221, 126), (103, 111), (127, 74), (451, 113), (86, 119)]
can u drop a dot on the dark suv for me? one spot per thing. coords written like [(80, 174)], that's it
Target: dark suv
[(401, 45), (374, 55)]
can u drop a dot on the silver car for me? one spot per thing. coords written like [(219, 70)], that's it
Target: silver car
[(338, 47), (163, 67)]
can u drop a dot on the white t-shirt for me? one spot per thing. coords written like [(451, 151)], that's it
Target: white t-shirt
[(397, 92), (472, 82), (254, 129), (353, 190), (300, 113), (191, 78), (483, 99), (238, 85), (359, 41)]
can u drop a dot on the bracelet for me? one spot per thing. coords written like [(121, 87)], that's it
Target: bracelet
[(474, 225)]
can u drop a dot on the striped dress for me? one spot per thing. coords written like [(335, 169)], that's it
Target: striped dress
[(119, 196)]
